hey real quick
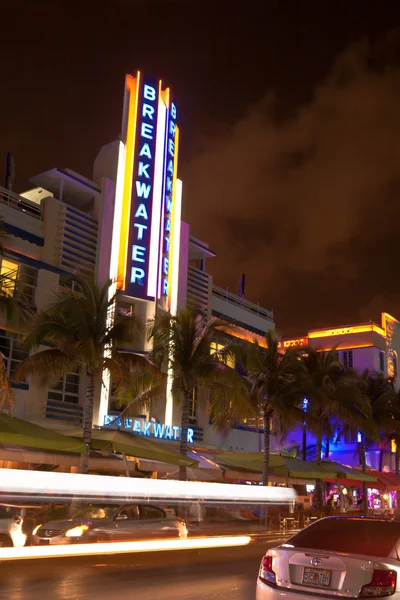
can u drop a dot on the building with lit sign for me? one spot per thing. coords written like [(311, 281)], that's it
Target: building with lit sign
[(358, 346), (124, 223)]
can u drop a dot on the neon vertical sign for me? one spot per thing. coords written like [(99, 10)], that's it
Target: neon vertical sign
[(149, 225)]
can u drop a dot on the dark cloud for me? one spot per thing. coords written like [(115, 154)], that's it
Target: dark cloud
[(309, 208)]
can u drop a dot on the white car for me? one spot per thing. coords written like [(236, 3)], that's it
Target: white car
[(335, 557), (11, 527)]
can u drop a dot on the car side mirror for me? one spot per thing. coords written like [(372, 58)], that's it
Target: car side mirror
[(121, 518)]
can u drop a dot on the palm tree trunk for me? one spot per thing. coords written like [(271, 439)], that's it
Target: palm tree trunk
[(380, 460), (327, 448), (363, 465), (318, 483), (304, 445), (184, 430), (87, 423), (267, 443)]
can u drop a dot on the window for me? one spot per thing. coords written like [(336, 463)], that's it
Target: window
[(151, 512), (66, 389), (254, 422), (8, 274), (18, 278), (103, 511), (130, 512), (193, 407), (125, 309), (215, 347), (69, 284), (348, 359), (354, 536), (381, 361), (13, 354)]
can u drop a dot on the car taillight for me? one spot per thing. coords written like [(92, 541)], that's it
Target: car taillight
[(383, 584), (266, 573)]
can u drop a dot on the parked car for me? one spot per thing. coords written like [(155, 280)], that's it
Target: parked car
[(351, 557), (12, 526), (110, 522)]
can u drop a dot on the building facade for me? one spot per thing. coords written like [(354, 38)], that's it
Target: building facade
[(125, 224)]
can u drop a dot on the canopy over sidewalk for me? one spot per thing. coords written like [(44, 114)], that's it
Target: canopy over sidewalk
[(279, 464), (17, 432), (130, 444)]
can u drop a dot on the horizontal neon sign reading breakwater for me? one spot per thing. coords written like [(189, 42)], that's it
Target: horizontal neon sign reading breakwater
[(148, 428)]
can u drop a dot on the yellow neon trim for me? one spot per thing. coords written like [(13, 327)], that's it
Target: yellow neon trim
[(132, 87), (348, 347), (346, 331), (171, 237)]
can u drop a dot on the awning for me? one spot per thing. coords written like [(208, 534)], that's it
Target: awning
[(279, 464), (17, 432), (108, 464), (384, 481), (344, 472), (130, 444)]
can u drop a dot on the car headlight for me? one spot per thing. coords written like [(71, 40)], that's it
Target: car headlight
[(34, 532), (76, 531)]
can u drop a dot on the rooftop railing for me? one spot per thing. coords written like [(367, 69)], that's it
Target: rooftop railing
[(241, 302), (22, 204)]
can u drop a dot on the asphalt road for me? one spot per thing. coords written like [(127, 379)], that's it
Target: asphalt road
[(228, 573)]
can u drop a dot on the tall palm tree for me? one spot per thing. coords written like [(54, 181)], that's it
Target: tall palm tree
[(183, 345), (334, 401), (274, 382), (385, 413), (77, 326)]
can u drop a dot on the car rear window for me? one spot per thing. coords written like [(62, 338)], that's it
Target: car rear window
[(355, 536)]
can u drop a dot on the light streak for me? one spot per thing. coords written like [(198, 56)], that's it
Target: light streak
[(14, 481), (61, 551)]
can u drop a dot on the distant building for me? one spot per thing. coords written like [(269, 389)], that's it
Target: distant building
[(358, 346)]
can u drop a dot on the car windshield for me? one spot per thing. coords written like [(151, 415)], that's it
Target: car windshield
[(4, 513), (103, 511), (354, 536)]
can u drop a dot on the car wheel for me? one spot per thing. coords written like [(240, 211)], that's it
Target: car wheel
[(5, 541)]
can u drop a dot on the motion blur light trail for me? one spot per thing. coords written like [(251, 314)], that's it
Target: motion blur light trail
[(69, 485), (30, 552)]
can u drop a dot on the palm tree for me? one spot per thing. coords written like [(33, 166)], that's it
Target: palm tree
[(385, 417), (6, 395), (77, 326), (183, 345), (273, 379), (334, 401)]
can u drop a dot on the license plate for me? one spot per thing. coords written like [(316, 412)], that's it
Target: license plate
[(44, 542), (316, 577)]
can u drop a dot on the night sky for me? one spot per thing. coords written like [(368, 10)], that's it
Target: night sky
[(290, 131)]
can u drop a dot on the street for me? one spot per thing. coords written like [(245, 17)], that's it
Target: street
[(181, 575)]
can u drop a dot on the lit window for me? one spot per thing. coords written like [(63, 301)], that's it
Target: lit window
[(215, 347), (9, 275)]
